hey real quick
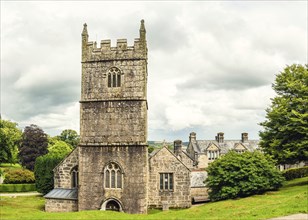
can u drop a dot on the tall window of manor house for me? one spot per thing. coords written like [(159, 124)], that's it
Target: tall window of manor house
[(114, 77), (113, 176), (212, 154)]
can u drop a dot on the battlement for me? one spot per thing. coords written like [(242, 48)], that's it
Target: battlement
[(91, 52)]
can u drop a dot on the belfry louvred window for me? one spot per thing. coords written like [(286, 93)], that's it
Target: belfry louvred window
[(114, 77), (113, 176)]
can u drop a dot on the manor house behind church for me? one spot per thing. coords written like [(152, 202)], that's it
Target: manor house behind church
[(111, 168)]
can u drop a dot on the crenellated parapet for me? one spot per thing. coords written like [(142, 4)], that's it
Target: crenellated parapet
[(93, 52)]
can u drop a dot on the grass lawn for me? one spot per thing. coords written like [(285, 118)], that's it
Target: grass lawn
[(290, 199)]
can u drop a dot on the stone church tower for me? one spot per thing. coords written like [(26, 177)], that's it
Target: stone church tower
[(113, 156)]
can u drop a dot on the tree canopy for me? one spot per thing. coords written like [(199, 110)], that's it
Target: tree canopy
[(69, 136), (285, 134), (59, 148), (33, 144), (10, 137)]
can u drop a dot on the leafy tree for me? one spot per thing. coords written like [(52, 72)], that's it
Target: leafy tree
[(45, 164), (43, 171), (285, 134), (151, 149), (239, 175), (33, 144), (69, 136), (59, 148), (10, 137)]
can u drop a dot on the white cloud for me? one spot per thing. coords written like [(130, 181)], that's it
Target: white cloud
[(211, 64)]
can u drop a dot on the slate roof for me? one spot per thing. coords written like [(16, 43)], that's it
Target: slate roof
[(197, 179), (58, 193), (200, 146)]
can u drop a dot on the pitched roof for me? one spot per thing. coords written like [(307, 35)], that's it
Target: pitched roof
[(197, 179), (158, 150), (58, 193), (226, 146)]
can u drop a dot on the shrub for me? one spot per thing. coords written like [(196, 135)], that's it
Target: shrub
[(19, 176), (294, 173), (239, 175), (43, 172), (17, 187)]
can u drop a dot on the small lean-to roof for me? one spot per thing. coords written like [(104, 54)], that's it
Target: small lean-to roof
[(58, 193)]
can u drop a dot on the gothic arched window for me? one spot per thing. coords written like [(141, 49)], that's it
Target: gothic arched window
[(114, 77), (113, 176), (74, 177)]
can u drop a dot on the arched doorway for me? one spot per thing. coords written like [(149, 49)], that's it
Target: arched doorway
[(112, 205)]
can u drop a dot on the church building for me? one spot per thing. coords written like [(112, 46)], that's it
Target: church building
[(111, 168)]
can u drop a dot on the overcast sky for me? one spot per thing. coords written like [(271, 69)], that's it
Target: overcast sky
[(210, 64)]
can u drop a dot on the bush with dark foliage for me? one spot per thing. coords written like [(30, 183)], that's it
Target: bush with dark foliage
[(240, 175), (43, 171), (294, 173)]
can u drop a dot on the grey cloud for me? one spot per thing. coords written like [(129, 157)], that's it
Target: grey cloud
[(196, 50)]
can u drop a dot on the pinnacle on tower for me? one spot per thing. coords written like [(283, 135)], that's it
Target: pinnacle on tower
[(85, 30), (142, 30)]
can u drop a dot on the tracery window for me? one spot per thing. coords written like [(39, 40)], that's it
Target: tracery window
[(74, 177), (166, 181), (113, 176), (114, 77)]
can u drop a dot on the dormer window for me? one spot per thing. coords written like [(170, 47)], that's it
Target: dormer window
[(240, 151), (239, 148), (212, 152), (114, 77)]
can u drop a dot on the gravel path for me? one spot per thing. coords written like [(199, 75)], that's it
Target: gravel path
[(20, 194)]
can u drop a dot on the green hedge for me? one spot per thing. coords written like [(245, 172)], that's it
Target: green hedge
[(294, 173), (19, 176), (17, 187)]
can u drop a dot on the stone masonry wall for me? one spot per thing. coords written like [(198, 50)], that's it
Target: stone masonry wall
[(113, 122), (62, 172), (61, 205), (199, 191), (113, 125), (132, 159), (187, 160), (165, 162), (133, 80)]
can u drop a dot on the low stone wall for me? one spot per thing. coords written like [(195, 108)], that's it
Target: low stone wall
[(199, 191), (61, 205)]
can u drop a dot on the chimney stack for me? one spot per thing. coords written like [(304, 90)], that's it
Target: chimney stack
[(177, 147), (244, 137), (192, 137), (220, 137)]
